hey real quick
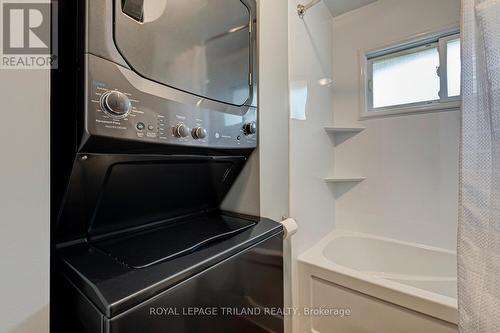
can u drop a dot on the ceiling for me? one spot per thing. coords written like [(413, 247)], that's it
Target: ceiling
[(338, 7)]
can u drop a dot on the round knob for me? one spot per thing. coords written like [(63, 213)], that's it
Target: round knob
[(181, 131), (199, 133), (250, 128), (116, 104)]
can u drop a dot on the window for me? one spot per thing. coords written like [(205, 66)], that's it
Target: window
[(420, 75)]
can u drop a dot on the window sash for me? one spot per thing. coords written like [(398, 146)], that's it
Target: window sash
[(443, 66), (443, 103)]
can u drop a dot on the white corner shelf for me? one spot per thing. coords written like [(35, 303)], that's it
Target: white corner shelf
[(344, 179), (347, 130)]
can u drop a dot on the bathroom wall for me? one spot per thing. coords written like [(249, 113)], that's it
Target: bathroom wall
[(410, 161), (273, 109), (311, 151), (24, 201)]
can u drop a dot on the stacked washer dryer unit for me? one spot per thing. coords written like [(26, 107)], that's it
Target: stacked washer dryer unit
[(154, 115)]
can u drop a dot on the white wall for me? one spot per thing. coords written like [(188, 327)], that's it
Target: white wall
[(311, 150), (24, 201), (410, 161), (273, 109)]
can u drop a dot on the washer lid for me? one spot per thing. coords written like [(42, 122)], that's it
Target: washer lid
[(203, 47), (115, 288)]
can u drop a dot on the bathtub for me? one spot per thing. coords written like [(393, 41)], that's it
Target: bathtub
[(384, 285)]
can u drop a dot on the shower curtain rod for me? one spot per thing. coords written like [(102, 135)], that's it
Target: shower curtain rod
[(301, 9)]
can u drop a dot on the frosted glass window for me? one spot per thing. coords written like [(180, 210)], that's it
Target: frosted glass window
[(453, 67), (419, 75), (405, 78)]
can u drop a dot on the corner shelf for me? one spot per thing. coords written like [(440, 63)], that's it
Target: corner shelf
[(344, 179), (346, 130)]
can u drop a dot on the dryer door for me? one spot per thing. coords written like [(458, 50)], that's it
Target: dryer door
[(203, 47)]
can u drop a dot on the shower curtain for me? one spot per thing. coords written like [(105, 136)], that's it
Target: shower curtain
[(479, 225)]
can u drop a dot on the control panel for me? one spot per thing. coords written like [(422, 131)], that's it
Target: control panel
[(124, 105)]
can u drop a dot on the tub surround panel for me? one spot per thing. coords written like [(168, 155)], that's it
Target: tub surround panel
[(410, 161), (311, 151)]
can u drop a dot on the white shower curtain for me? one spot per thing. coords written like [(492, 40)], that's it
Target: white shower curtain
[(479, 225)]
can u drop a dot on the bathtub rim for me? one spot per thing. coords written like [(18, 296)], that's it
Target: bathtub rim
[(432, 304)]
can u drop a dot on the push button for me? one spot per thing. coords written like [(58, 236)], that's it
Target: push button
[(140, 126), (151, 127)]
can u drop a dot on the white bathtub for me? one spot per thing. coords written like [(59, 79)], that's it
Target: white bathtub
[(388, 285)]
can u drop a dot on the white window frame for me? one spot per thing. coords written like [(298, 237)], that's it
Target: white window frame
[(444, 103)]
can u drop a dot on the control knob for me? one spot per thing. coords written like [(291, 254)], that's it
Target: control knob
[(116, 104), (250, 128), (199, 133), (181, 131)]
